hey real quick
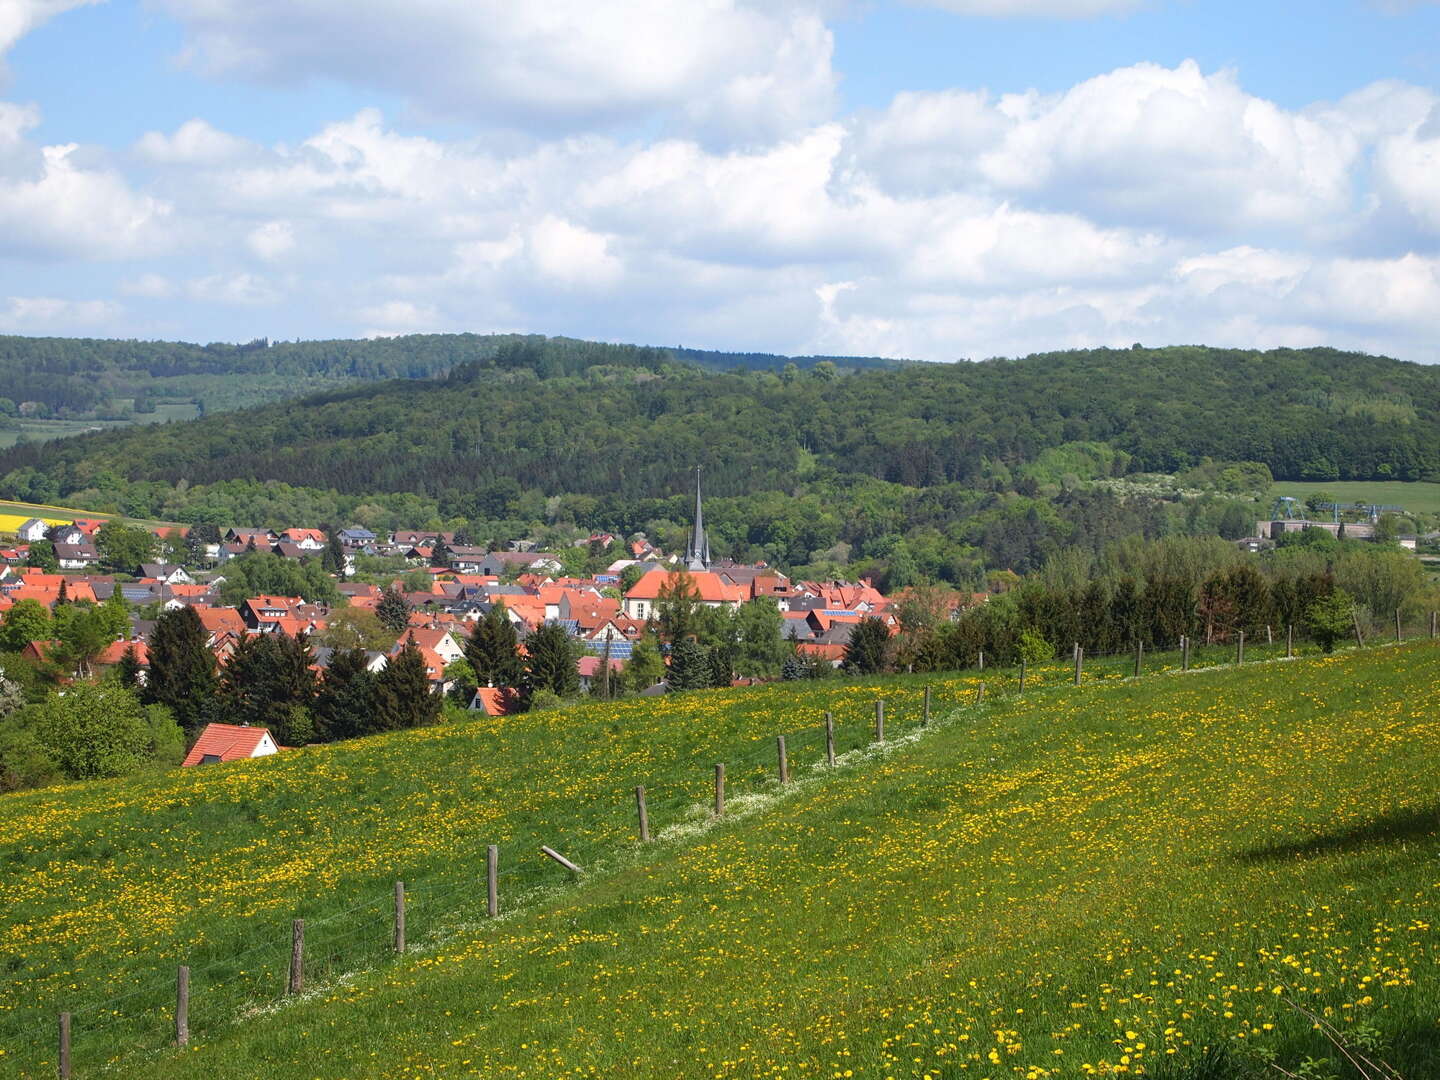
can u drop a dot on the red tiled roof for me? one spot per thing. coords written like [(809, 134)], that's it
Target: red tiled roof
[(228, 742), (709, 586), (496, 700)]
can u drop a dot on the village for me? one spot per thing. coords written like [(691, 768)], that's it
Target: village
[(433, 608)]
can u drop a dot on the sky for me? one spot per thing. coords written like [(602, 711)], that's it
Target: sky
[(933, 179)]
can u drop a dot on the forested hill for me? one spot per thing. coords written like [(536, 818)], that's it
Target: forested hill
[(75, 377), (633, 424)]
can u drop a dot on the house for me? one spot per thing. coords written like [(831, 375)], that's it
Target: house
[(251, 537), (494, 700), (306, 539), (438, 641), (32, 530), (80, 556), (590, 668), (260, 610), (230, 742), (69, 534), (498, 562), (113, 653), (166, 573), (374, 661), (712, 590), (356, 537)]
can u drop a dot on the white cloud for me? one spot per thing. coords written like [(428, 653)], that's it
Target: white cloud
[(19, 17), (236, 290), (15, 121), (572, 256), (742, 65), (31, 314), (149, 285), (194, 142), (1061, 9), (1143, 145), (69, 210), (272, 240)]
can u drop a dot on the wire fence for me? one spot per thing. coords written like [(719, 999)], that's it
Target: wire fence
[(251, 973)]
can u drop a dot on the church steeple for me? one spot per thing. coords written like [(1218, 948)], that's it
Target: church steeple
[(697, 553)]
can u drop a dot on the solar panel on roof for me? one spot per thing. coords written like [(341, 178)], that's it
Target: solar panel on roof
[(619, 649)]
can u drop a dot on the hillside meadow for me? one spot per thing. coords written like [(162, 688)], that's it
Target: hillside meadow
[(1097, 881)]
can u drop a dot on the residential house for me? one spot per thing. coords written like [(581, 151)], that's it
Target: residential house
[(305, 539), (357, 537), (69, 534), (495, 700), (166, 573), (76, 556), (591, 667), (230, 742), (438, 641), (32, 530), (711, 588)]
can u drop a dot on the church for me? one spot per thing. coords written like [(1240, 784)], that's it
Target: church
[(713, 589)]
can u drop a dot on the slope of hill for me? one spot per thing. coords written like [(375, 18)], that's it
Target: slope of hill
[(1117, 879), (86, 379), (600, 423)]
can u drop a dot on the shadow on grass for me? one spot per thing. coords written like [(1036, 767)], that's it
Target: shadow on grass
[(1395, 827)]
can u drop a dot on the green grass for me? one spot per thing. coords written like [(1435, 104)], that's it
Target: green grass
[(1111, 872), (1417, 498)]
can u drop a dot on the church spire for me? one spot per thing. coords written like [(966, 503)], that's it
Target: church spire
[(697, 553)]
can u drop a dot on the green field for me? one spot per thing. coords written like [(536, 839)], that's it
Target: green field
[(1417, 497), (1097, 881)]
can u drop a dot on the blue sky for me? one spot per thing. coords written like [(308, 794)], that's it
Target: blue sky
[(938, 179)]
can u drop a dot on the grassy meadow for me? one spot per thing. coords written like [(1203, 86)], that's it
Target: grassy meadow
[(1113, 880), (1417, 497)]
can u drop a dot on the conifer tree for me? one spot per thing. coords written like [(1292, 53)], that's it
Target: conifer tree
[(868, 648), (689, 666), (552, 663), (403, 698), (393, 611), (182, 670), (333, 561), (267, 679), (127, 671), (493, 649), (345, 701)]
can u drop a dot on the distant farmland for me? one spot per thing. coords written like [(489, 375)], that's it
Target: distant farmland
[(1418, 497)]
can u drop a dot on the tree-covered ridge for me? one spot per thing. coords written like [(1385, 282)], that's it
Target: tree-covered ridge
[(626, 421), (75, 377)]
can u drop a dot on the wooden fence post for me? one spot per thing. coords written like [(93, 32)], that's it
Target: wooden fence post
[(1269, 635), (1079, 663), (879, 719), (1359, 637), (980, 693), (297, 957), (982, 659), (64, 1058), (643, 814), (1240, 648), (782, 759), (182, 1006), (719, 789), (1399, 638), (492, 881), (551, 853), (1139, 656), (399, 916), (1432, 624), (1185, 652), (926, 721), (1022, 675), (829, 739), (1289, 641)]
